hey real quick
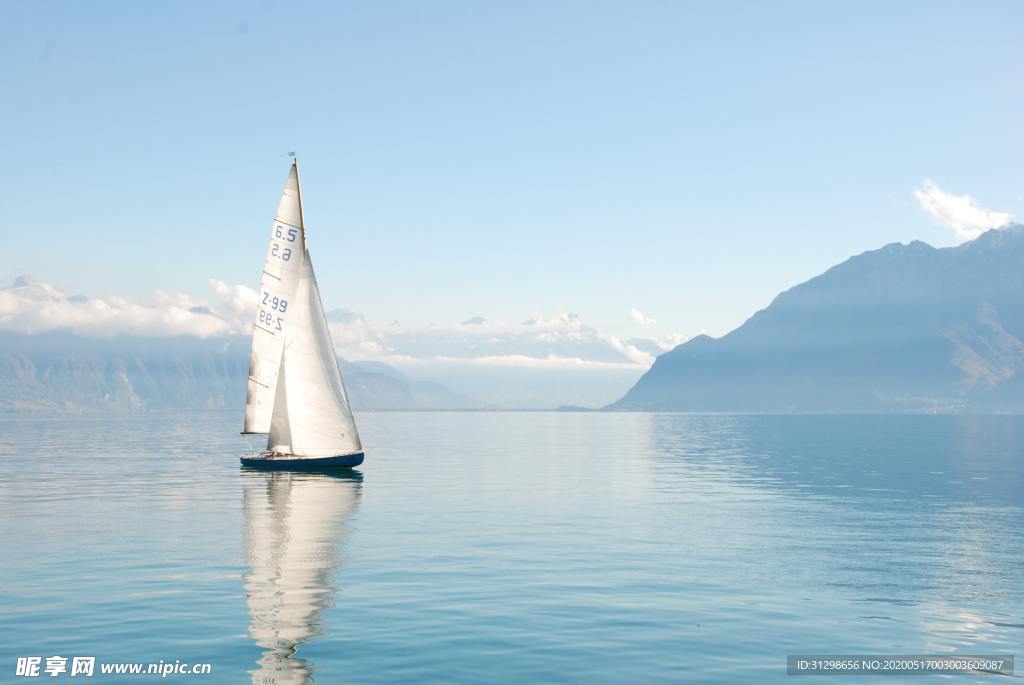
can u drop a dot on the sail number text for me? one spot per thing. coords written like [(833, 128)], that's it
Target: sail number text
[(280, 232), (283, 233), (276, 303), (284, 255), (268, 319), (268, 314)]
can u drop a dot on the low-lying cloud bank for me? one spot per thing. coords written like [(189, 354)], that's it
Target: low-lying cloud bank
[(29, 306), (562, 342), (559, 342)]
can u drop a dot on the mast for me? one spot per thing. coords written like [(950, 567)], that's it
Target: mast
[(298, 189)]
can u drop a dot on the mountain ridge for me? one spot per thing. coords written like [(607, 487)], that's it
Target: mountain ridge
[(906, 327), (57, 371)]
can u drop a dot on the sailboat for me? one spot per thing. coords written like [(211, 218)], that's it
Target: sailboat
[(295, 393)]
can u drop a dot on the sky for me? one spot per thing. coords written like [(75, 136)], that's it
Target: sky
[(659, 169)]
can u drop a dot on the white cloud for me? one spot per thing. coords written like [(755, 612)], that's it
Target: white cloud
[(673, 340), (32, 307), (522, 361), (560, 342), (240, 300), (631, 352), (563, 342), (962, 213), (642, 318)]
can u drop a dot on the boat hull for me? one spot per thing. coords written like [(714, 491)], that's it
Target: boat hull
[(294, 463)]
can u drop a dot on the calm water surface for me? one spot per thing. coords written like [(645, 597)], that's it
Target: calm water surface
[(512, 548)]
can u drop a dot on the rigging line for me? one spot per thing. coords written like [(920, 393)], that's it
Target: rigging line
[(279, 221)]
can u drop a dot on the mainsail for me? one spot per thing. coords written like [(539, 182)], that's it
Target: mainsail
[(311, 415), (274, 310)]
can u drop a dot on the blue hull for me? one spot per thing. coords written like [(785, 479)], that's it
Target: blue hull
[(346, 461)]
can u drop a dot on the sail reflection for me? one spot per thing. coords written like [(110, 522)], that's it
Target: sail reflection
[(295, 524)]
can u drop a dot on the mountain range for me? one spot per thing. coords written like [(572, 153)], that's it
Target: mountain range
[(905, 328), (58, 371)]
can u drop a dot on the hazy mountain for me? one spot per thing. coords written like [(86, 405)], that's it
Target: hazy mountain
[(375, 385), (63, 372), (902, 328), (646, 346)]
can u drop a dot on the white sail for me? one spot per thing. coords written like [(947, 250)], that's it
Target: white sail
[(311, 416), (275, 309), (294, 527)]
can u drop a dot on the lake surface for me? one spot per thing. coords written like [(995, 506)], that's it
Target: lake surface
[(514, 547)]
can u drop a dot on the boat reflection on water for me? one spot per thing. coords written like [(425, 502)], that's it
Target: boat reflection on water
[(295, 524)]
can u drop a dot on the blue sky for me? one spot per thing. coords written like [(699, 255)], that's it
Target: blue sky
[(688, 160)]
